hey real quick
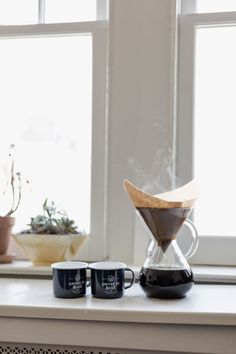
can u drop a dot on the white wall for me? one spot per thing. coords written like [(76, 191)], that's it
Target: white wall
[(141, 108)]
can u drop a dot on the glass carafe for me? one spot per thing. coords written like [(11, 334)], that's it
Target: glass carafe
[(166, 273)]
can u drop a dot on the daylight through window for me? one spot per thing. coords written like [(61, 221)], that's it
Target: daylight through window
[(46, 105)]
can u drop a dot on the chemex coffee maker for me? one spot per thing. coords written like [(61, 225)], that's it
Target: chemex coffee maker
[(166, 273)]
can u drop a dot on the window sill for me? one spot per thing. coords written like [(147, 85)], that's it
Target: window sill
[(202, 274), (33, 298), (214, 274), (203, 322)]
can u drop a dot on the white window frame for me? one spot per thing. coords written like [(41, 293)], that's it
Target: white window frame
[(212, 250), (95, 247), (140, 103)]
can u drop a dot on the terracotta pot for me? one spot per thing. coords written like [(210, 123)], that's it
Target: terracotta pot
[(6, 224)]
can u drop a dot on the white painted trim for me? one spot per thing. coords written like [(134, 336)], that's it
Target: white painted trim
[(214, 274), (212, 250), (102, 9), (130, 336), (95, 247), (188, 6), (174, 81), (202, 273), (41, 11), (208, 19), (184, 167), (215, 250), (53, 28), (200, 323)]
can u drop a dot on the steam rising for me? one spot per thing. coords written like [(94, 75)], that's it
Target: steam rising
[(160, 176)]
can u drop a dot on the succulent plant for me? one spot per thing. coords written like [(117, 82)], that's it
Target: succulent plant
[(52, 221)]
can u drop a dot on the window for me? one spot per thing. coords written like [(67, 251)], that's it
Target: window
[(53, 86), (136, 135), (70, 10), (207, 6), (25, 12), (206, 121), (50, 11), (51, 116), (214, 125)]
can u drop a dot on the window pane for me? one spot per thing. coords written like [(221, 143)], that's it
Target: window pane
[(215, 143), (70, 10), (216, 5), (15, 12), (46, 103)]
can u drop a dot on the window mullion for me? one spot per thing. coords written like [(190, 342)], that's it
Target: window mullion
[(188, 6), (41, 11), (102, 9)]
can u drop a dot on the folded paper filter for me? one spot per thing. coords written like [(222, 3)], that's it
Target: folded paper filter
[(164, 213), (183, 197)]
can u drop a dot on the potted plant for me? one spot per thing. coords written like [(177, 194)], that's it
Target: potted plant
[(7, 221), (52, 237)]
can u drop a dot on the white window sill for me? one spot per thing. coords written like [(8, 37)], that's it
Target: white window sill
[(202, 274), (203, 322), (205, 304)]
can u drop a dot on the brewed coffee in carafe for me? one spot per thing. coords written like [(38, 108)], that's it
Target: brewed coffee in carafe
[(165, 273)]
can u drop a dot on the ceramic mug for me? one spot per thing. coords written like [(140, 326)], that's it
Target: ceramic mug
[(108, 279), (69, 279)]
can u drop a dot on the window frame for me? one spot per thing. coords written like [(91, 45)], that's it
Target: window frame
[(94, 248), (117, 79), (212, 250)]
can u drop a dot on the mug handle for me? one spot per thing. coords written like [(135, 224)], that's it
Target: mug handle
[(132, 280), (195, 237)]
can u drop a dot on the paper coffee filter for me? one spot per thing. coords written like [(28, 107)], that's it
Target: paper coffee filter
[(183, 197)]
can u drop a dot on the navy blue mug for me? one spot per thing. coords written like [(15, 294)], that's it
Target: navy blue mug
[(108, 279), (69, 279)]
